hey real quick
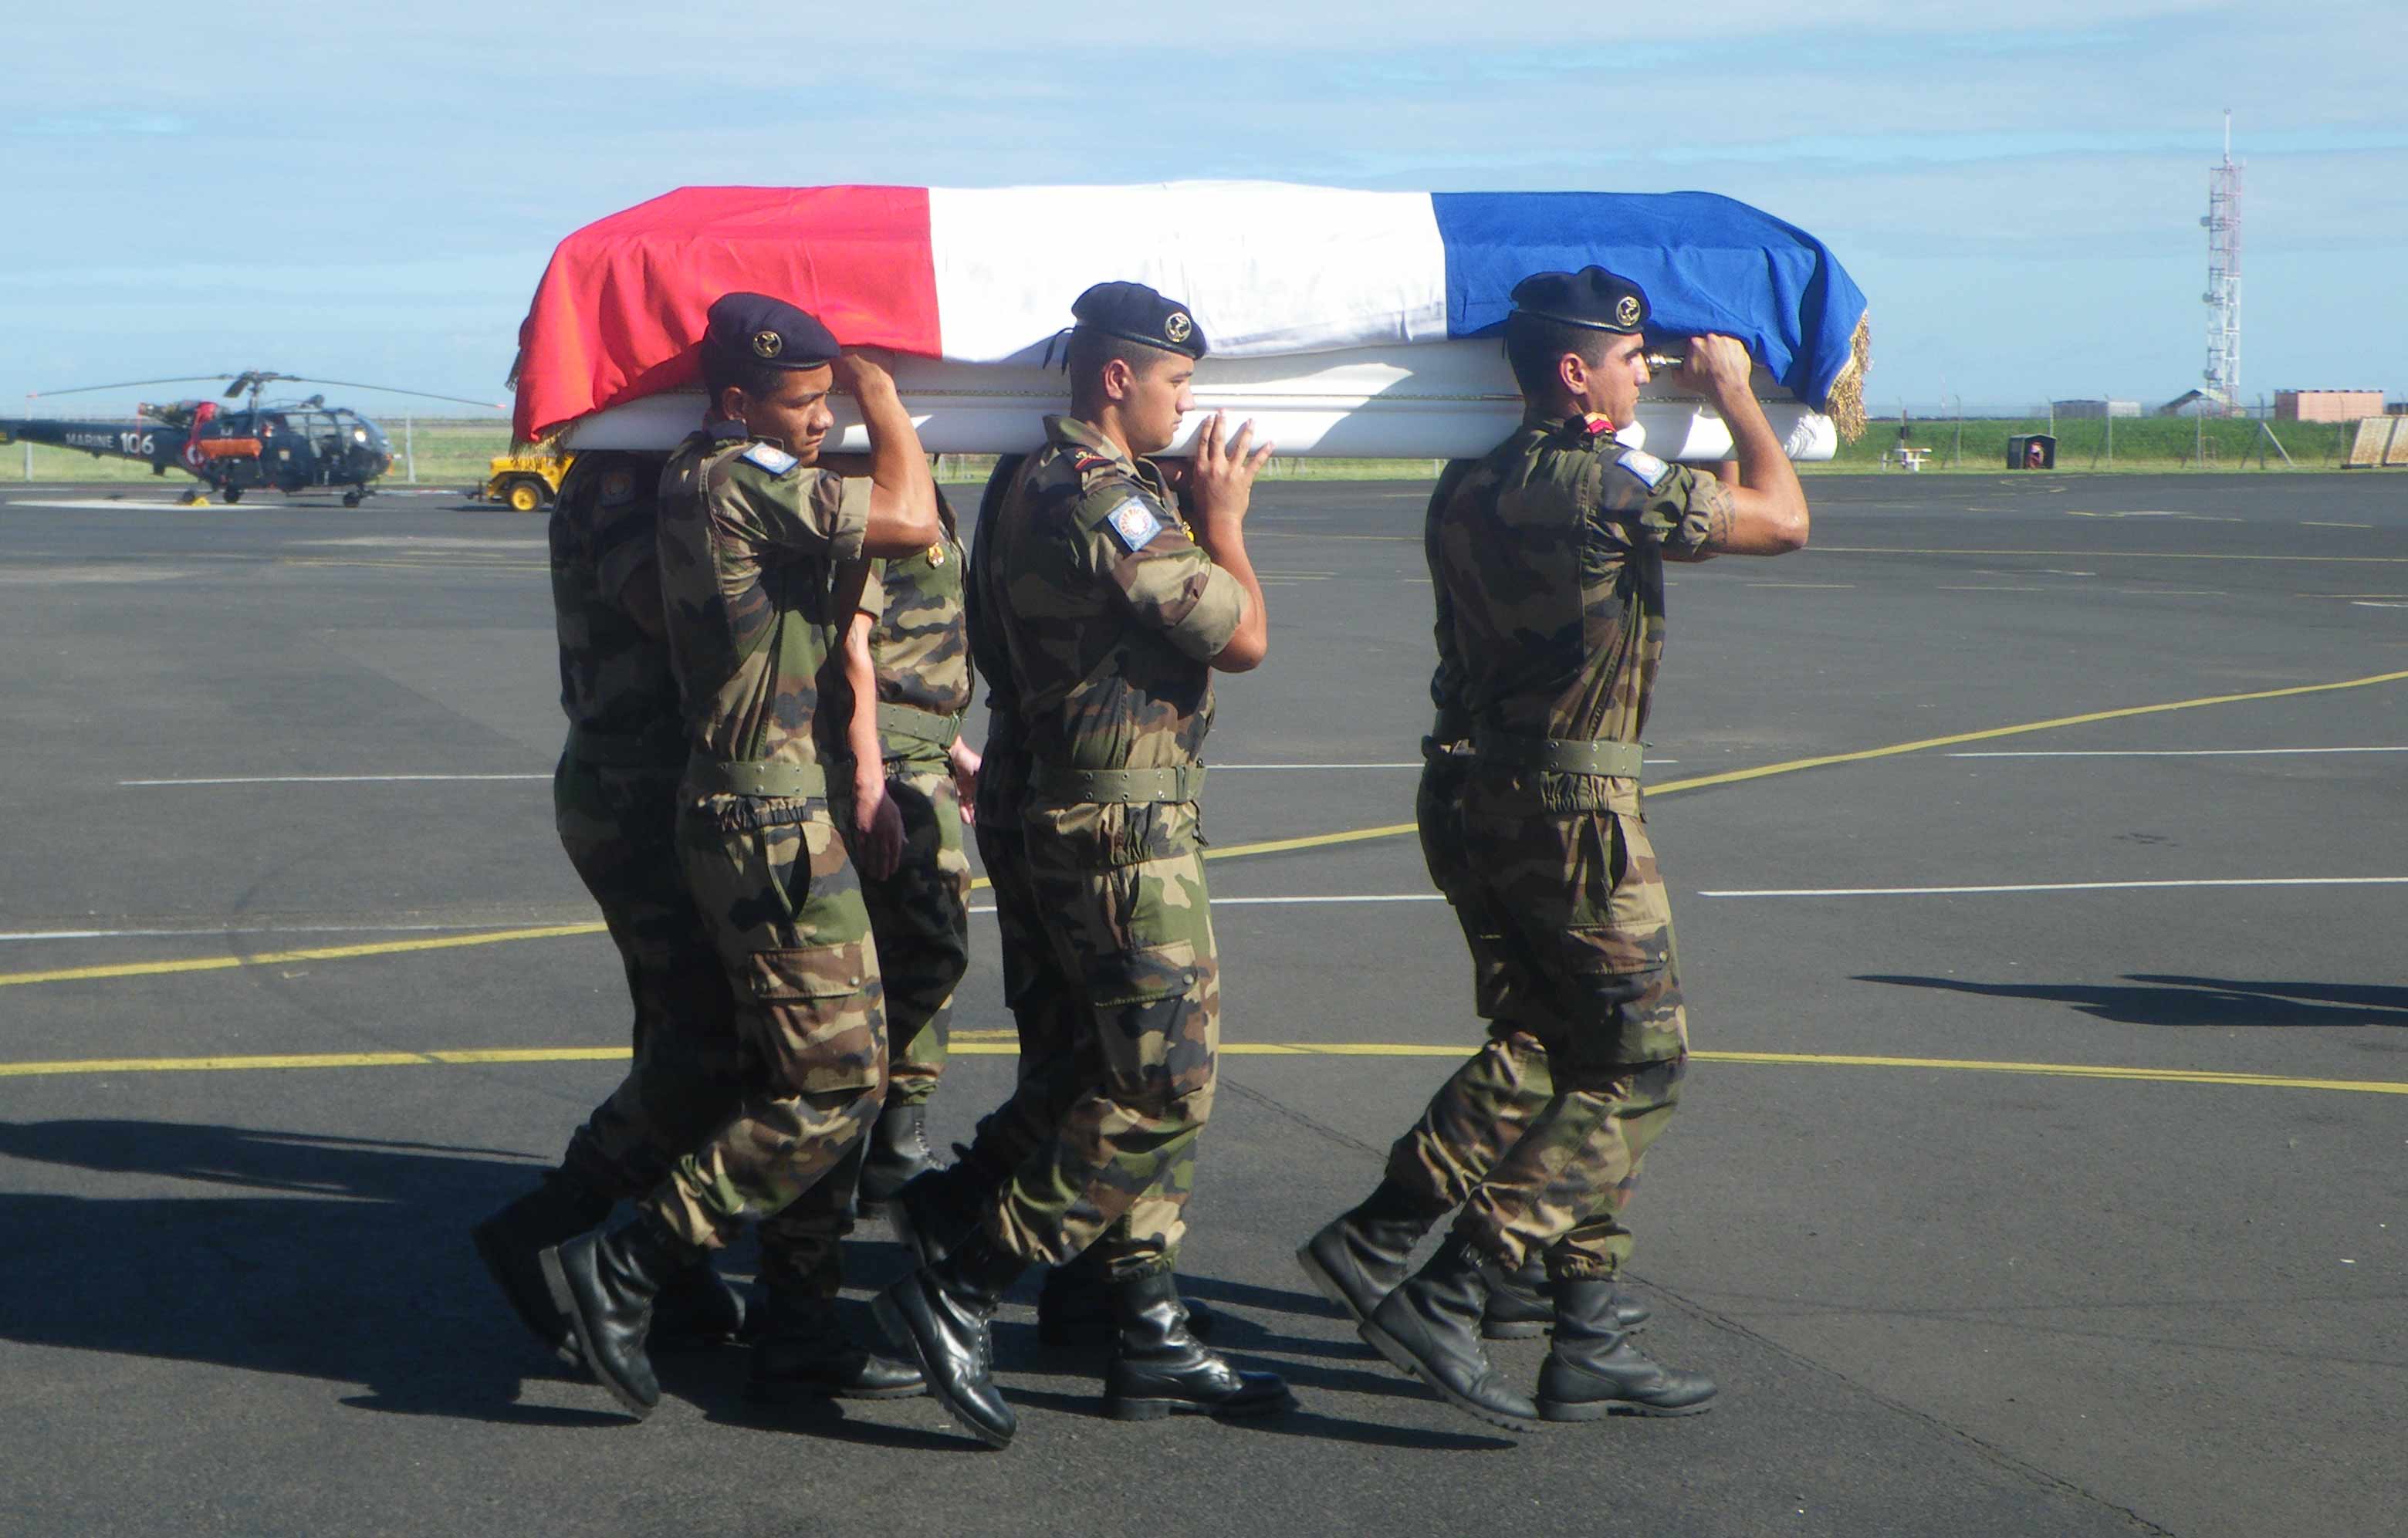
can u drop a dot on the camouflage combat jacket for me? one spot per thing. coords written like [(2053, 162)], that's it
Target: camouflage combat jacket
[(1111, 612), (1003, 772), (616, 684), (919, 643), (749, 542), (1550, 571)]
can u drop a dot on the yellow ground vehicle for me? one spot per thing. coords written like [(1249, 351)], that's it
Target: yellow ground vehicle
[(525, 481)]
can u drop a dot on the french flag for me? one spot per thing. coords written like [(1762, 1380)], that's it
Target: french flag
[(983, 276)]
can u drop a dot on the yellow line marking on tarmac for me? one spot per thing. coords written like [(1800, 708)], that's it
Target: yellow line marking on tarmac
[(280, 957), (986, 1043), (1232, 851)]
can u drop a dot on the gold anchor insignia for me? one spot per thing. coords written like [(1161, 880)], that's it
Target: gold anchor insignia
[(767, 344), (1626, 310), (1178, 328)]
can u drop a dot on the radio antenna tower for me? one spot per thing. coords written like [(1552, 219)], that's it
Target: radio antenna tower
[(2223, 296)]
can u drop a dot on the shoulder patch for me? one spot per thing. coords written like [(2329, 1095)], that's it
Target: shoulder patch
[(774, 460), (1133, 525), (1646, 466)]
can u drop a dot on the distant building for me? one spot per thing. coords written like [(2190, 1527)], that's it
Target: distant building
[(2194, 403), (2326, 405), (2079, 409)]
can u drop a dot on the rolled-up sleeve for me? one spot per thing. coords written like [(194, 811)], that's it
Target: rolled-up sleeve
[(1676, 514), (1169, 586), (809, 511)]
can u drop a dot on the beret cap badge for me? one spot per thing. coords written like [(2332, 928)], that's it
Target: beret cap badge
[(1626, 310), (767, 344), (1177, 327)]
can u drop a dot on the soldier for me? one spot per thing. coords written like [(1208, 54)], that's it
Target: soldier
[(1112, 615), (614, 802), (908, 662), (1075, 1304), (751, 539), (1549, 558)]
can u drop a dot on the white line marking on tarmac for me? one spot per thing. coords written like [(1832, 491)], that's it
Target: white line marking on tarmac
[(1292, 901), (2070, 885), (106, 503), (2313, 523), (323, 779), (2376, 604), (392, 779), (1801, 584), (2171, 753)]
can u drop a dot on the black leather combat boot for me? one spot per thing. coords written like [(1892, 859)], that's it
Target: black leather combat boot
[(1360, 1257), (933, 1213), (511, 1240), (698, 1310), (606, 1284), (804, 1352), (1522, 1306), (942, 1315), (1592, 1369), (1160, 1369), (898, 1154), (1075, 1308), (1430, 1327)]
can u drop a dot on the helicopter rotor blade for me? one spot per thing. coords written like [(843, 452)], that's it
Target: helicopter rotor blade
[(133, 384), (389, 390)]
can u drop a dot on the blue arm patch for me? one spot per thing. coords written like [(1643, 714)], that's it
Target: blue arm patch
[(1133, 525), (775, 461), (1646, 466)]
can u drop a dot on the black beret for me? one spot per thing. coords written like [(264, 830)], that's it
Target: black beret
[(766, 333), (1591, 297), (1135, 313)]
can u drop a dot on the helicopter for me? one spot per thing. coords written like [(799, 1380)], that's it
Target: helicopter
[(289, 446)]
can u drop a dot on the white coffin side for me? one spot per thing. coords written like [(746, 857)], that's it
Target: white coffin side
[(1436, 400)]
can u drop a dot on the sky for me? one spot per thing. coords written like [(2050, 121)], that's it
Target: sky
[(370, 193)]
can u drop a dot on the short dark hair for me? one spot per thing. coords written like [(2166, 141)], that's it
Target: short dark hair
[(1087, 353), (720, 370), (1534, 345)]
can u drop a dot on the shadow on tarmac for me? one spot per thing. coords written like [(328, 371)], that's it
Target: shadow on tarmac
[(347, 1260), (2166, 999), (356, 1267)]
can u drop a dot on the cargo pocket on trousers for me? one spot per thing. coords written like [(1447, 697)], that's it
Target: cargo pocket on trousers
[(827, 1030), (1156, 1033), (1629, 1002)]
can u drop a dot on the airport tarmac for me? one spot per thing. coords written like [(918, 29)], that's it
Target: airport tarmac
[(2038, 849)]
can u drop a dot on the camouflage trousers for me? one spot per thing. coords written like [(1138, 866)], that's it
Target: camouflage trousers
[(1111, 1120), (618, 826), (1541, 1135), (773, 884), (920, 917), (1058, 1061)]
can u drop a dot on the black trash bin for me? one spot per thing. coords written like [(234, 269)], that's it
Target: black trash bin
[(2031, 451)]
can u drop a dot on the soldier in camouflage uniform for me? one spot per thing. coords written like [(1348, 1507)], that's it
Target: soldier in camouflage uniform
[(1112, 616), (751, 540), (908, 664), (614, 800), (1075, 1304), (1493, 1098), (1549, 555)]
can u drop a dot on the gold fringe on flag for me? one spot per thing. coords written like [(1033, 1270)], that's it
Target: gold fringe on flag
[(1845, 405)]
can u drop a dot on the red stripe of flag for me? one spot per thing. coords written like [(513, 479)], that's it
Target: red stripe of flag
[(621, 309)]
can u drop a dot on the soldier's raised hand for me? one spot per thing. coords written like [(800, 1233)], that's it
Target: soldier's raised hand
[(1220, 479)]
